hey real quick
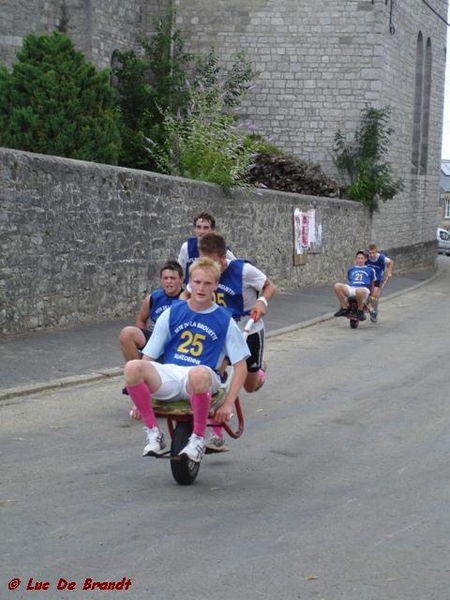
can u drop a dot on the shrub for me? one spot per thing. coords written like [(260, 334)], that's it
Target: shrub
[(55, 102), (204, 144), (202, 138), (148, 86), (366, 177)]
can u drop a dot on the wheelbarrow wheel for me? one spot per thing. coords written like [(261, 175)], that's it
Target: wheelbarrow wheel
[(184, 470)]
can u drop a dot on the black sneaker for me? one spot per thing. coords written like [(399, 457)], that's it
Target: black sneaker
[(361, 315), (373, 316), (342, 312)]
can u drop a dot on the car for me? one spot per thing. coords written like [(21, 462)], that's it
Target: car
[(443, 241)]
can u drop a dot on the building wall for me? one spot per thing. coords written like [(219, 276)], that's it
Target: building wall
[(317, 63), (96, 27), (320, 64), (415, 212), (82, 241)]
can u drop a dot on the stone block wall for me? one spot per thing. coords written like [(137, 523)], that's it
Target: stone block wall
[(319, 65), (82, 241), (96, 27)]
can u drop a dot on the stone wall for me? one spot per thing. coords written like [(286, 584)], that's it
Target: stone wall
[(96, 27), (319, 65), (82, 241)]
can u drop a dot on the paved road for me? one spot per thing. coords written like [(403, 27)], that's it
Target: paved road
[(91, 352), (338, 489)]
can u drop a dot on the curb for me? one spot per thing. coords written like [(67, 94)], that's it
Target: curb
[(115, 372), (64, 382)]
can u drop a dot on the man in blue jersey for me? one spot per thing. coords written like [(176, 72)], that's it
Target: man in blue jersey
[(384, 267), (133, 338), (360, 283), (245, 290), (194, 337), (204, 223)]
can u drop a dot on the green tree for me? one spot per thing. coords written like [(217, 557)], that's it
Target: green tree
[(216, 82), (148, 85), (205, 144), (55, 102), (367, 178), (204, 140), (179, 111)]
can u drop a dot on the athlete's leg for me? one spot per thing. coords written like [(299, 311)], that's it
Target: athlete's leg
[(361, 294), (141, 380), (199, 388), (341, 291), (373, 303), (131, 339), (255, 374)]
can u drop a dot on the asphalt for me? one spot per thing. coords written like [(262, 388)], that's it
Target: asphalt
[(40, 361)]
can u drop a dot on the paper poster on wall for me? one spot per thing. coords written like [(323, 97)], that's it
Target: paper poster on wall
[(307, 231)]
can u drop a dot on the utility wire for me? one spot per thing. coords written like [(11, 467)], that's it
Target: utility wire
[(436, 13)]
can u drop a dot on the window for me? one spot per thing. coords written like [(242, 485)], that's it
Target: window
[(447, 208), (115, 63), (425, 109), (422, 96)]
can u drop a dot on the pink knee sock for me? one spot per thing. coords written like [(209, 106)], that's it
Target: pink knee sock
[(140, 394), (200, 403)]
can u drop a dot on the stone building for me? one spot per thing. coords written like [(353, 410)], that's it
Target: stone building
[(319, 64)]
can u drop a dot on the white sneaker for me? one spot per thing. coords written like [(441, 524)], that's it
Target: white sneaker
[(155, 442), (195, 449), (215, 442)]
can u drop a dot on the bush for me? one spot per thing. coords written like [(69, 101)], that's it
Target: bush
[(366, 178), (148, 86), (204, 144), (55, 102), (202, 138)]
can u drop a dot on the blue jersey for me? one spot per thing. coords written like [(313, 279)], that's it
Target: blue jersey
[(360, 276), (159, 302), (379, 265), (193, 253), (196, 338), (230, 291)]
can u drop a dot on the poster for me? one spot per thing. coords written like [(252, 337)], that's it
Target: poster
[(307, 231)]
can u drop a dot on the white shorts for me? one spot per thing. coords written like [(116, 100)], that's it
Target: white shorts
[(174, 380), (352, 291)]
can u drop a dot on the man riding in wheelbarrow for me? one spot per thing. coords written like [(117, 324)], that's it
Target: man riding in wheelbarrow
[(194, 337), (360, 283)]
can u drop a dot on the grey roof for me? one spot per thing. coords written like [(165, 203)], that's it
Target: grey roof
[(445, 175)]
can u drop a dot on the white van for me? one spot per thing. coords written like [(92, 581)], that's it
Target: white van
[(443, 241)]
